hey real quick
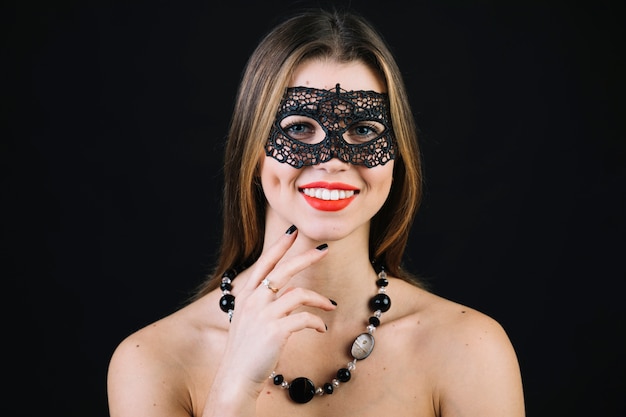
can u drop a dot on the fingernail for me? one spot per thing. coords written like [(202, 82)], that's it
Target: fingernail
[(323, 246), (291, 229), (333, 302)]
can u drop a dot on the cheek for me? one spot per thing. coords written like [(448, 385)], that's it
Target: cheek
[(379, 179), (274, 173)]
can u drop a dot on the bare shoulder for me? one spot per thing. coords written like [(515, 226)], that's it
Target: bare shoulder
[(470, 358), (151, 371), (448, 321)]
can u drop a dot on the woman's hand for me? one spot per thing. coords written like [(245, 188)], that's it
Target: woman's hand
[(263, 321)]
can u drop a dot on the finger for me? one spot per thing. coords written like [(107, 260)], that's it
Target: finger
[(299, 321), (268, 260), (287, 268), (296, 297), (266, 302)]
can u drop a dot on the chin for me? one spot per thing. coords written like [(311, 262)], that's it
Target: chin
[(325, 232)]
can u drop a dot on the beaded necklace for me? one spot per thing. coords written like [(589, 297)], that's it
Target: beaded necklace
[(302, 389)]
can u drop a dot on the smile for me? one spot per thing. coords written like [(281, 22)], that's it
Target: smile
[(328, 196)]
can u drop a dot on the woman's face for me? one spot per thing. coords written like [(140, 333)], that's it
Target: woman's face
[(327, 186)]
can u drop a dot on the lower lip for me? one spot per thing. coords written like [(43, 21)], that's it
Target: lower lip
[(328, 205)]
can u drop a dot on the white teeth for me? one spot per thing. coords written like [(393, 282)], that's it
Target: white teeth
[(326, 194)]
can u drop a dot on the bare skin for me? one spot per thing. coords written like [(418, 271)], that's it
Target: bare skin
[(432, 357)]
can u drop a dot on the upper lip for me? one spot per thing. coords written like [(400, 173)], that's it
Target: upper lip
[(329, 186)]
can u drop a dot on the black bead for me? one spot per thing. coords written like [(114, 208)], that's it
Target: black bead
[(301, 390), (328, 388), (225, 286), (382, 282), (227, 302), (231, 273), (343, 375), (380, 302), (278, 379), (374, 321)]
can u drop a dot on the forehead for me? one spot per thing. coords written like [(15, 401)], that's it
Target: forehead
[(334, 104), (326, 74)]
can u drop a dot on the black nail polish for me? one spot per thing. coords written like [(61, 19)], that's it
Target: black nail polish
[(333, 302), (291, 229), (323, 246)]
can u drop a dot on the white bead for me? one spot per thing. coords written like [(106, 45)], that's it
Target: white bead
[(362, 346), (335, 383), (284, 384), (319, 391)]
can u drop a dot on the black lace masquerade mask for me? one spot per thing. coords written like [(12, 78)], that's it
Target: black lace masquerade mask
[(313, 126)]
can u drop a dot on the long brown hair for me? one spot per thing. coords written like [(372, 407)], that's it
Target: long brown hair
[(344, 37)]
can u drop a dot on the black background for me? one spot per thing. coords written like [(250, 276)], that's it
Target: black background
[(115, 115)]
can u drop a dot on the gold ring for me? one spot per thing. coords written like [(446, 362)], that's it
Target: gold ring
[(266, 283)]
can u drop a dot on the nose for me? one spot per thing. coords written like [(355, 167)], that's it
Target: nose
[(333, 165)]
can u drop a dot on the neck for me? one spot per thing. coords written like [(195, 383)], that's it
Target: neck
[(347, 258), (350, 283), (345, 274)]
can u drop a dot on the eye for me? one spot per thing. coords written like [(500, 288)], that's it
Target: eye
[(298, 129), (364, 132), (302, 129)]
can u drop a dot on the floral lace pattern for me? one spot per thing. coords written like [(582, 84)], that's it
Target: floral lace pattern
[(336, 112)]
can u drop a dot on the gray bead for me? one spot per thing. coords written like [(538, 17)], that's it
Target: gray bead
[(363, 345)]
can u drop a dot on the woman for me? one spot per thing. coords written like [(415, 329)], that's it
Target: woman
[(308, 310)]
